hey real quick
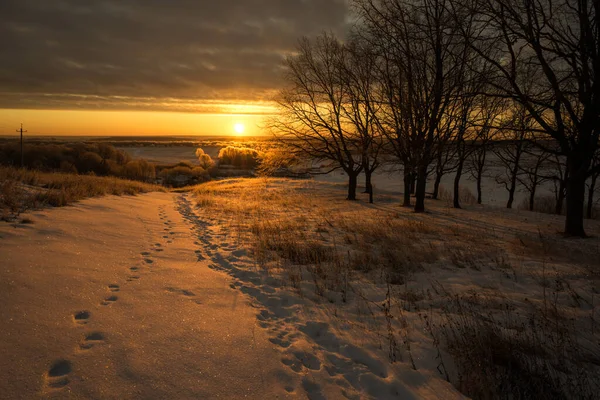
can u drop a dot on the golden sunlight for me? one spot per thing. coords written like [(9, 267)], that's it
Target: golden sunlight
[(239, 128), (128, 123)]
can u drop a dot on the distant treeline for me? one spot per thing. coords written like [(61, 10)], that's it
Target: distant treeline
[(100, 159), (141, 141), (104, 159)]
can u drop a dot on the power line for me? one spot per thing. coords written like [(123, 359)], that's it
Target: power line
[(22, 159)]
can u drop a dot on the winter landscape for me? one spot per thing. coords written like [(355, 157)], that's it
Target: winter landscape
[(313, 200)]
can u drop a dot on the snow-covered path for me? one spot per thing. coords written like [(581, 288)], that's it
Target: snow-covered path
[(111, 299)]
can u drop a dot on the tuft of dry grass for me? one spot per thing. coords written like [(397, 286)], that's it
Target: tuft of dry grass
[(21, 190), (501, 352)]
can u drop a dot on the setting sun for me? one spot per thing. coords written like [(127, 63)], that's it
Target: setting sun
[(239, 128)]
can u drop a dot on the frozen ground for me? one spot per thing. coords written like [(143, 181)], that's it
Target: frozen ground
[(122, 297), (493, 193), (109, 300), (483, 273), (173, 295), (169, 154)]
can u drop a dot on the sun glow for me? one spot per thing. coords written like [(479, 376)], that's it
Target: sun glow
[(239, 128), (128, 123)]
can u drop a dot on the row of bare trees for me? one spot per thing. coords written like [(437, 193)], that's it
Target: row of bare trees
[(433, 85)]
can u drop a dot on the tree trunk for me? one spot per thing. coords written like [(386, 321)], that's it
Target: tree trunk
[(479, 178), (407, 183), (352, 182), (369, 185), (513, 184), (420, 189), (413, 184), (560, 197), (457, 177), (511, 196), (480, 168), (590, 204), (532, 198), (439, 172), (436, 185), (575, 195)]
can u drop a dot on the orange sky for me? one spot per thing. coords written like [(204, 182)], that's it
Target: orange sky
[(127, 123), (176, 67)]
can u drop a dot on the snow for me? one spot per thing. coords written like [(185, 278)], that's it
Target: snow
[(160, 296), (107, 299)]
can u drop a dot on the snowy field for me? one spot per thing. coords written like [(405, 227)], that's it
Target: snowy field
[(493, 193), (276, 289), (108, 300), (169, 155)]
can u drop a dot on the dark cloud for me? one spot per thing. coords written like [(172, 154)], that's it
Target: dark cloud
[(94, 54)]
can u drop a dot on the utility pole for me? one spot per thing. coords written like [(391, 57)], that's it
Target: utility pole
[(22, 159)]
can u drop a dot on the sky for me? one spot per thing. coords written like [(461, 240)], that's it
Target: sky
[(149, 67)]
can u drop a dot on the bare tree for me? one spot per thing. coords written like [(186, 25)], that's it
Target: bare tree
[(559, 43), (558, 173), (392, 121), (423, 66), (466, 113), (312, 121), (489, 112), (532, 168), (445, 164), (511, 149), (362, 104)]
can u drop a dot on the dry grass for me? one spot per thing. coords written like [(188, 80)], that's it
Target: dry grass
[(22, 190), (501, 351), (302, 223), (289, 222), (515, 317), (465, 196), (547, 205)]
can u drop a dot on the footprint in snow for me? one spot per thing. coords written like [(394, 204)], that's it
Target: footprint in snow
[(184, 292), (294, 365), (81, 317), (313, 389), (58, 374), (281, 342), (308, 360), (109, 300), (91, 339)]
